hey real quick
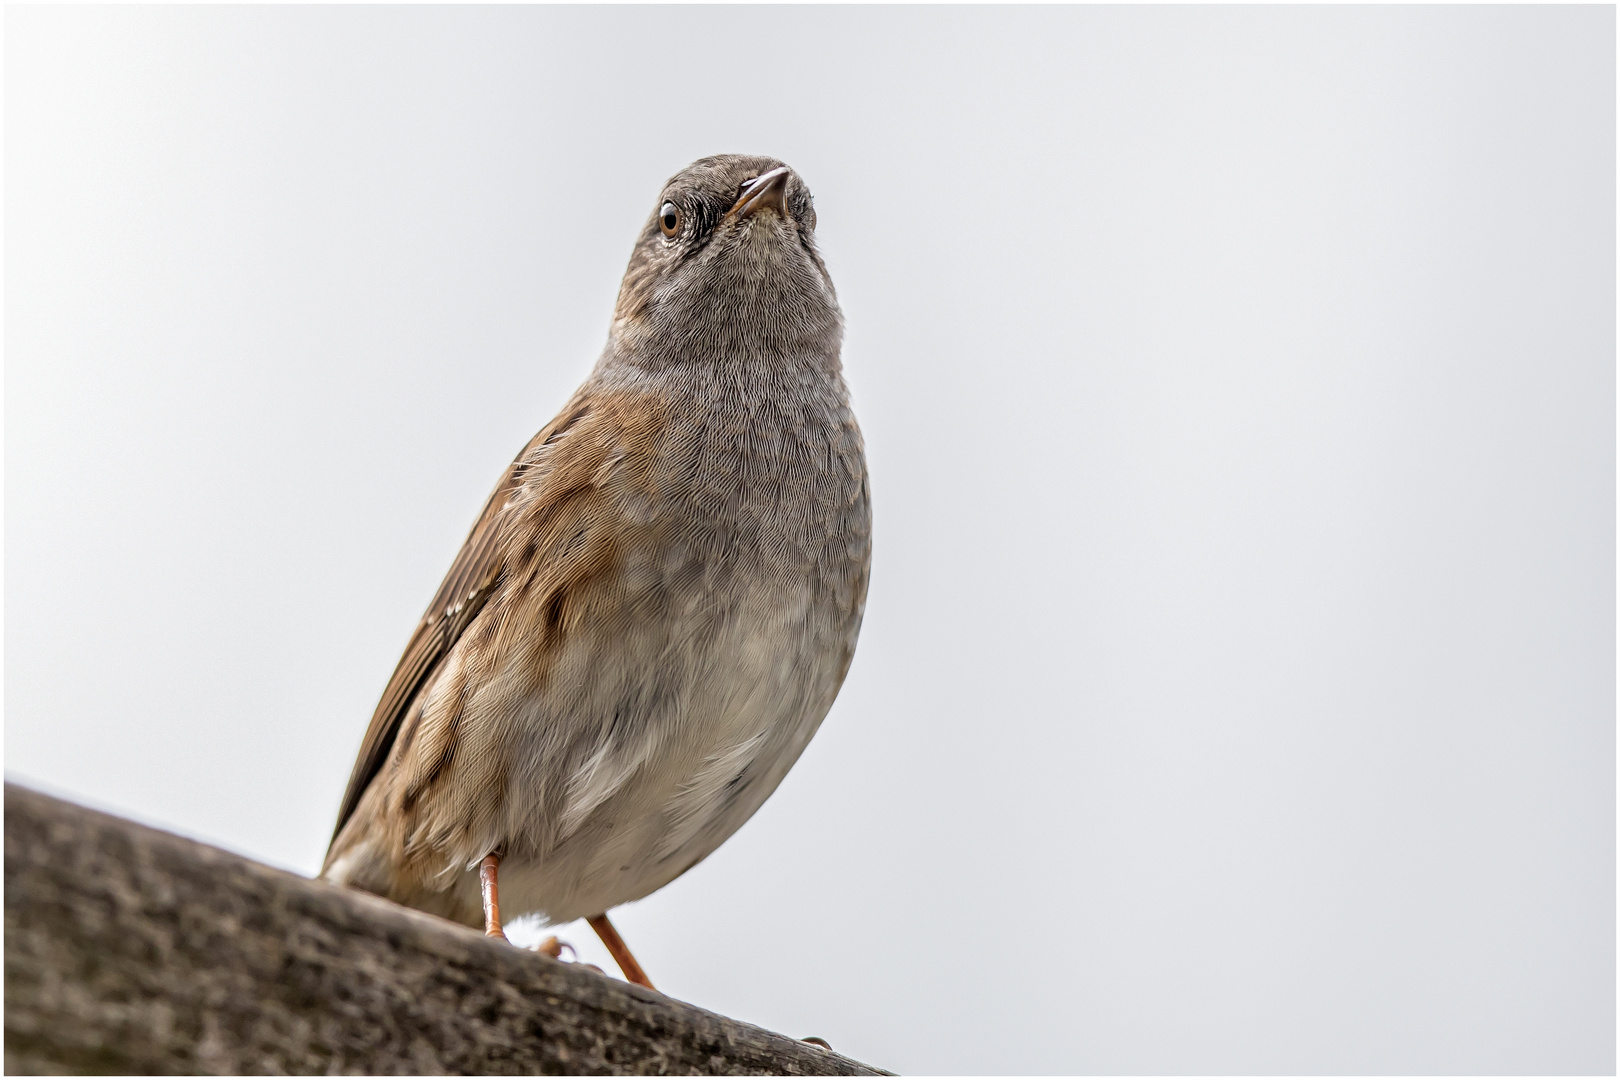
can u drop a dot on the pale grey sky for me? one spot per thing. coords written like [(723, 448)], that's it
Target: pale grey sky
[(1237, 687)]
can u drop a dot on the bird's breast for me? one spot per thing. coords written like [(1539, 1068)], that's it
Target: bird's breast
[(702, 664)]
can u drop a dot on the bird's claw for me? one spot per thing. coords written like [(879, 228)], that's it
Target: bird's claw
[(553, 948)]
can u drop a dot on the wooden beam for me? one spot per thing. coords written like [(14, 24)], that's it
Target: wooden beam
[(129, 950)]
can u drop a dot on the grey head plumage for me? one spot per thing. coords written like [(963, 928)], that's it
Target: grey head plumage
[(712, 279)]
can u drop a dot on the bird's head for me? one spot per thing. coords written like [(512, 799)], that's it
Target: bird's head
[(727, 265)]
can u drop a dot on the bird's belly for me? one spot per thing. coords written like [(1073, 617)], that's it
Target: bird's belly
[(657, 739)]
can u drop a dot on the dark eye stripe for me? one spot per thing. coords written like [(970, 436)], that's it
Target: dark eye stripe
[(706, 217)]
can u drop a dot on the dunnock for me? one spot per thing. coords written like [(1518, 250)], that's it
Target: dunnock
[(657, 605)]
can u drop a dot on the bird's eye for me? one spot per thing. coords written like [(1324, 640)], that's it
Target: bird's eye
[(669, 219)]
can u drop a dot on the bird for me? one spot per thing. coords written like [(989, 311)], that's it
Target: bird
[(659, 602)]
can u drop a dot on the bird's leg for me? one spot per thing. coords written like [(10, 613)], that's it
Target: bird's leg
[(621, 954), (492, 900), (492, 910)]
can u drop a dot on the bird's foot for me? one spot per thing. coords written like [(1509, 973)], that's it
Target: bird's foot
[(553, 948)]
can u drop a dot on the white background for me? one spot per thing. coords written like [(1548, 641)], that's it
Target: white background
[(1237, 687)]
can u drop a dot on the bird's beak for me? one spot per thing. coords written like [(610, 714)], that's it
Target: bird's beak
[(766, 190)]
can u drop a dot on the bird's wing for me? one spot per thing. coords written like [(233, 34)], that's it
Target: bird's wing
[(466, 588)]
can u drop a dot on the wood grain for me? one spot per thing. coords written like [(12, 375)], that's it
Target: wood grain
[(129, 950)]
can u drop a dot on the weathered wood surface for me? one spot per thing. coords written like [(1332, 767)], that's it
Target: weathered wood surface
[(130, 950)]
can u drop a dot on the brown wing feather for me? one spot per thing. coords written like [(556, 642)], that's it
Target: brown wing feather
[(462, 595)]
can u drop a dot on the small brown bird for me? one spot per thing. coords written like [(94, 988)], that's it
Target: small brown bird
[(659, 602)]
